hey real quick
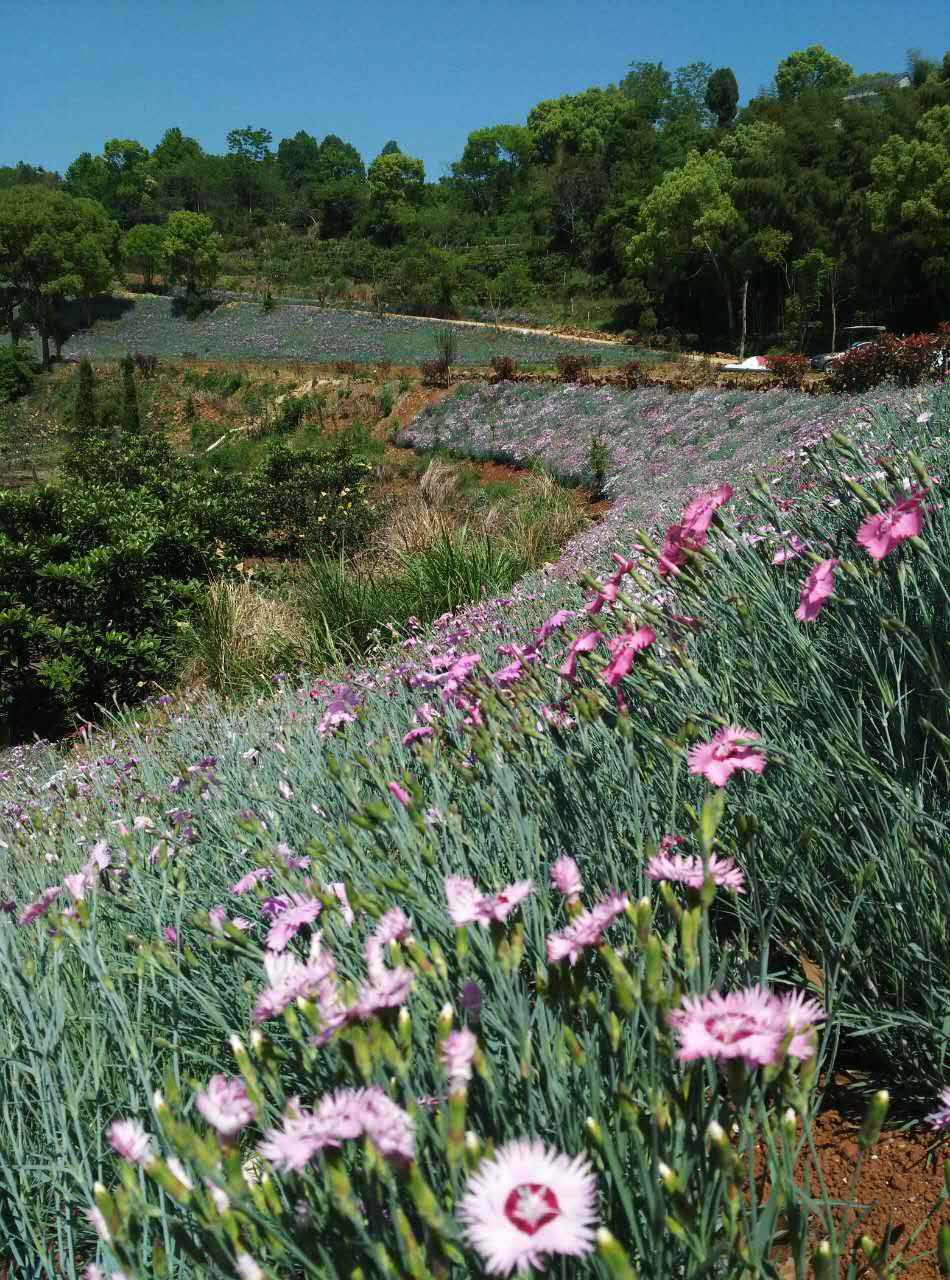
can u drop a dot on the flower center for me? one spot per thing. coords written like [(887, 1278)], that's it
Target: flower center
[(730, 1027), (531, 1206)]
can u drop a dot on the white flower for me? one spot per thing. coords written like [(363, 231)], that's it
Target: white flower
[(526, 1202)]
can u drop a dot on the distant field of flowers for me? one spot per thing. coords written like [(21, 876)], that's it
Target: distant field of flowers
[(243, 331), (538, 941)]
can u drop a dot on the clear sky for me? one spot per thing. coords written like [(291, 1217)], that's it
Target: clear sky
[(425, 72)]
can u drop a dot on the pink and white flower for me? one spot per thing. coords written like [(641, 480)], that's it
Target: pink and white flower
[(623, 649), (585, 930), (728, 750), (688, 869), (251, 880), (290, 921), (457, 1052), (129, 1140), (388, 1127), (467, 905), (526, 1203), (940, 1119), (225, 1105), (288, 978), (566, 878), (749, 1025), (38, 908)]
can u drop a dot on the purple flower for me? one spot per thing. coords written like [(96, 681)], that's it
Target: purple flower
[(290, 921)]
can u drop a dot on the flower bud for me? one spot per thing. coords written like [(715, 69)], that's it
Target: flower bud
[(868, 1248), (874, 1119), (943, 1249), (790, 1122), (594, 1130), (614, 1256), (823, 1262)]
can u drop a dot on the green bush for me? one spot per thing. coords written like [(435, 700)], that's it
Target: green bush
[(18, 372), (312, 497)]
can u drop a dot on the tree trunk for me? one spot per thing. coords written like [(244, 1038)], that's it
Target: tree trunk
[(834, 320), (745, 314), (45, 337)]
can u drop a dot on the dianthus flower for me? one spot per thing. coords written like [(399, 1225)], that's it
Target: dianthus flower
[(291, 920), (400, 794), (692, 531), (527, 1202), (251, 880), (225, 1105), (586, 642), (688, 869), (585, 930), (467, 905), (458, 1050), (880, 534), (387, 1125), (623, 648), (393, 926), (290, 978), (940, 1119), (39, 906), (566, 877), (749, 1025), (819, 587), (386, 989), (728, 750), (129, 1140)]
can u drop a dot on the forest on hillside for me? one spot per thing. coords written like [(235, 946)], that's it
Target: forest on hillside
[(654, 205)]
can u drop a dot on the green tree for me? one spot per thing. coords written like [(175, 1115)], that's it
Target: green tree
[(910, 195), (688, 221), (84, 421), (597, 121), (130, 185), (143, 248), (130, 418), (53, 246), (191, 253), (808, 69), (396, 186), (88, 177), (722, 95), (247, 150), (491, 165), (391, 148), (183, 173)]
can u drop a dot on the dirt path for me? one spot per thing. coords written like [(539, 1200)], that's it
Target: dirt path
[(510, 328)]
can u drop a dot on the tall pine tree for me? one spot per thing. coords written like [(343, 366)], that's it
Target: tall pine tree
[(84, 421)]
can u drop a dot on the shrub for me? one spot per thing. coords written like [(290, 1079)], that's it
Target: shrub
[(633, 375), (311, 498), (446, 344), (505, 368), (147, 365), (433, 373), (574, 366), (789, 370), (346, 368), (18, 372), (599, 460), (906, 361)]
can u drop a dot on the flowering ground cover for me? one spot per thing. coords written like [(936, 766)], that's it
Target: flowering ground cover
[(242, 331), (530, 942)]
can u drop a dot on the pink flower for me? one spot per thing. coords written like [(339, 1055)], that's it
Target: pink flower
[(623, 648), (728, 750), (607, 593), (527, 1202), (688, 869), (76, 885), (400, 793), (340, 1114), (692, 531), (940, 1119), (586, 642), (247, 1268), (458, 1049), (794, 548), (338, 889), (417, 735), (585, 930), (819, 587), (290, 921), (225, 1104), (129, 1140), (553, 623), (880, 534), (39, 907), (387, 1125), (468, 906), (251, 880), (386, 989), (99, 1224), (749, 1025), (394, 926), (566, 877), (289, 978), (296, 1142)]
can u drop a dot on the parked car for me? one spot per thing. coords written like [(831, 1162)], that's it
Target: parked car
[(861, 335)]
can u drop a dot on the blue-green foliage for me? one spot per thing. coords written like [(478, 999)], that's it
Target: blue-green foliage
[(843, 840)]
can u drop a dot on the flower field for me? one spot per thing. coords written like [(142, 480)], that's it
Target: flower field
[(242, 331), (540, 942)]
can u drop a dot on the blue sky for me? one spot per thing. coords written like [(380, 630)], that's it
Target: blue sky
[(426, 72)]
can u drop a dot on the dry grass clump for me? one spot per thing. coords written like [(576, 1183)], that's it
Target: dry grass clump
[(240, 637)]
